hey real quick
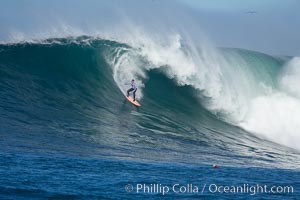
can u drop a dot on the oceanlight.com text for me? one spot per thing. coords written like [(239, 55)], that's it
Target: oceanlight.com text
[(191, 188)]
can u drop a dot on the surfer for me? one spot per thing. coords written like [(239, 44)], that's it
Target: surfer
[(133, 88)]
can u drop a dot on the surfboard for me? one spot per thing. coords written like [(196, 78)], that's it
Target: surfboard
[(130, 99)]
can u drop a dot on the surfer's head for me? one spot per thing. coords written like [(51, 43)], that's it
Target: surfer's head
[(132, 80)]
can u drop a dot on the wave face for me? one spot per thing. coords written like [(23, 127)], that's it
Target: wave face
[(218, 103)]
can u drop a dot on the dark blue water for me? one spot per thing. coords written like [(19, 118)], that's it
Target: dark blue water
[(52, 176), (66, 132)]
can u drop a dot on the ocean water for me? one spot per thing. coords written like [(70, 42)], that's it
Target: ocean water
[(67, 132)]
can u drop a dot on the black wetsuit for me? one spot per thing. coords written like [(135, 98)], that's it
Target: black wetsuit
[(133, 88)]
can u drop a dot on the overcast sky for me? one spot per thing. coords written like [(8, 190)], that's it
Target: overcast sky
[(270, 26), (267, 25)]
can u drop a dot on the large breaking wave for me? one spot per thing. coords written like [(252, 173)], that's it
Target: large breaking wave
[(192, 95)]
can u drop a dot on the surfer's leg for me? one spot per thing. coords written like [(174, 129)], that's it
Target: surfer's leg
[(134, 94), (129, 91)]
